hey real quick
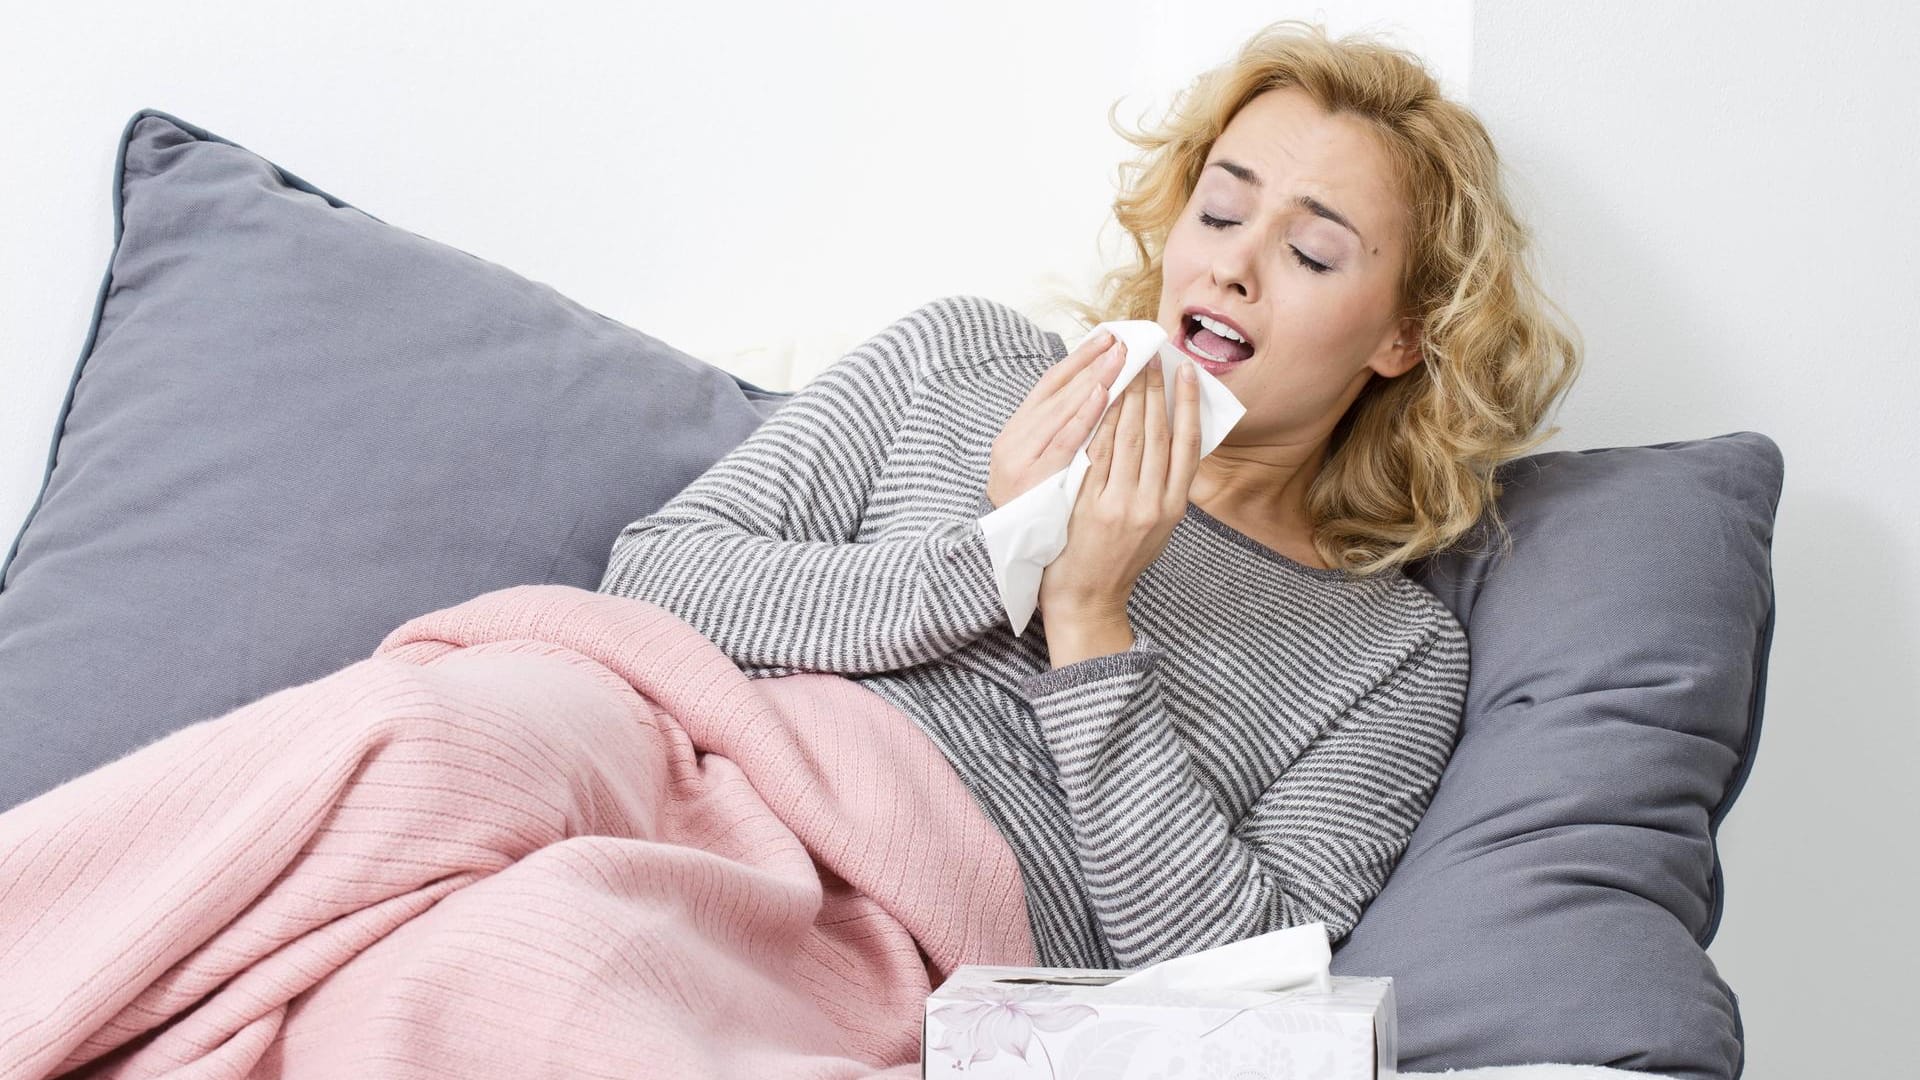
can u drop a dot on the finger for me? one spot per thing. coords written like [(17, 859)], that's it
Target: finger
[(1075, 430), (1040, 427), (1100, 450), (1058, 410), (1153, 451), (1127, 436), (1069, 366), (1051, 423), (1184, 459)]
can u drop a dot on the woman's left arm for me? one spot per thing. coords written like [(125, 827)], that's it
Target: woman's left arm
[(1169, 874)]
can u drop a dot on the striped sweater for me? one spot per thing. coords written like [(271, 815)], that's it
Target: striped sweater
[(1256, 760)]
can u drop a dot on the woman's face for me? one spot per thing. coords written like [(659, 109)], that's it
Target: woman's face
[(1315, 334)]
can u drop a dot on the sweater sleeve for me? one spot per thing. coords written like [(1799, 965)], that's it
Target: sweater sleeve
[(1169, 874), (758, 552)]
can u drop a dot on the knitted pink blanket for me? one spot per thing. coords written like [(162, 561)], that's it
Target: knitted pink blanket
[(544, 832)]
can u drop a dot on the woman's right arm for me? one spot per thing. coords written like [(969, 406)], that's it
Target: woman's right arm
[(758, 552)]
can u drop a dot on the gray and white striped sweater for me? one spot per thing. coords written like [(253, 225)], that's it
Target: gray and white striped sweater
[(1256, 760)]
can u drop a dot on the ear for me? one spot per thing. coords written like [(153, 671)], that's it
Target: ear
[(1400, 353)]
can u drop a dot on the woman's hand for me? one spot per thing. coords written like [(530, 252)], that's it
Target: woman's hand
[(1042, 435), (1134, 493)]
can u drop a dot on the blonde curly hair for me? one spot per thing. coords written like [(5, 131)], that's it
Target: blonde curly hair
[(1410, 468)]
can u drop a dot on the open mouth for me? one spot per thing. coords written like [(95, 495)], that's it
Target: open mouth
[(1209, 348)]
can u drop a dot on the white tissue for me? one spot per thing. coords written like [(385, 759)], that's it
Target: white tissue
[(1291, 959), (1030, 531)]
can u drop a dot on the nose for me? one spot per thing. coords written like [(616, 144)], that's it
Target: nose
[(1233, 263)]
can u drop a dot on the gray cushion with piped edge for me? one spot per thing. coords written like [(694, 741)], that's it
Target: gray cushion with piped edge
[(1556, 901)]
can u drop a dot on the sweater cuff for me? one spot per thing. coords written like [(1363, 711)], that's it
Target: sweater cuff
[(967, 566), (1146, 652)]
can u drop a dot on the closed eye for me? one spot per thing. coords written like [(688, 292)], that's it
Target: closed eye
[(1212, 222)]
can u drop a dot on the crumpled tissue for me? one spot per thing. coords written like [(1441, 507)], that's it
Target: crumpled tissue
[(1030, 531)]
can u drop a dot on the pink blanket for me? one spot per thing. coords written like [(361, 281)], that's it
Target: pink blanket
[(544, 832)]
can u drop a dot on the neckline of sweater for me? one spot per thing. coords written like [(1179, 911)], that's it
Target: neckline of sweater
[(1214, 524)]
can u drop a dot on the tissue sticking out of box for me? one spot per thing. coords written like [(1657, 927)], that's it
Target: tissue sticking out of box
[(1297, 958), (1067, 980)]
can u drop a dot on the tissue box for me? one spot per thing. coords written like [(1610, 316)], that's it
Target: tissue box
[(991, 1022)]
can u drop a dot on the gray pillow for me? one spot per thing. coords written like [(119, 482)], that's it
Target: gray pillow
[(1556, 901), (292, 428)]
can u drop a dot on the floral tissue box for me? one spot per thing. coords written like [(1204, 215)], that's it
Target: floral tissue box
[(1067, 1024)]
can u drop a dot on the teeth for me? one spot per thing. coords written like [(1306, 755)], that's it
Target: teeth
[(1220, 328), (1195, 346)]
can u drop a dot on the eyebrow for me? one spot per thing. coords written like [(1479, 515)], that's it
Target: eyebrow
[(1309, 202)]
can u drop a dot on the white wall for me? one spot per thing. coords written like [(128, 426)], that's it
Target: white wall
[(763, 185), (1725, 200), (1723, 203)]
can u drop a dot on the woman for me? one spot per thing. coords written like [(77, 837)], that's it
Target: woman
[(1235, 705), (534, 832)]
